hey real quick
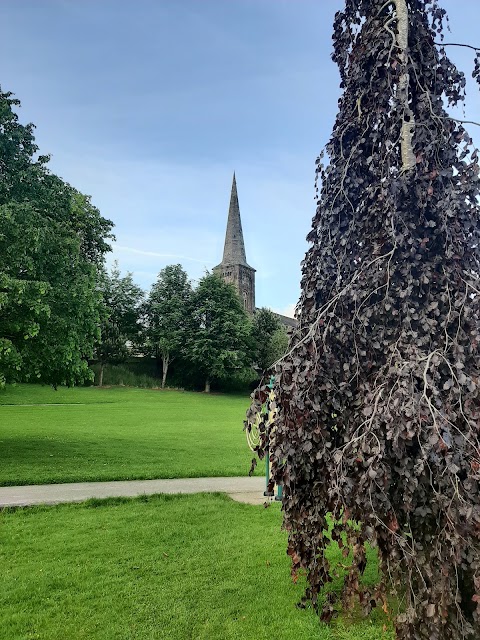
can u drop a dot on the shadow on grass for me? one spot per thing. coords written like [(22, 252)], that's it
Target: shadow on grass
[(52, 460)]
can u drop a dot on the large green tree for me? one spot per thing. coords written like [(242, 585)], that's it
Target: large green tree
[(167, 315), (278, 344), (378, 398), (121, 324), (220, 343), (52, 245), (269, 338)]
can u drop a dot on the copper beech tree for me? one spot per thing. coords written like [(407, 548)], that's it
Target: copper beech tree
[(378, 399)]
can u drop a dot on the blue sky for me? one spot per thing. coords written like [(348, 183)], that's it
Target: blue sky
[(150, 105)]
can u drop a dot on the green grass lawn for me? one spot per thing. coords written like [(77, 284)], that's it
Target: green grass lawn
[(196, 567), (119, 433)]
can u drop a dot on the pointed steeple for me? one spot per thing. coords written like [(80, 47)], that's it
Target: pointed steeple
[(234, 249), (234, 267)]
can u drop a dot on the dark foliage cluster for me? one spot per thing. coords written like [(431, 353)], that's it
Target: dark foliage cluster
[(378, 399)]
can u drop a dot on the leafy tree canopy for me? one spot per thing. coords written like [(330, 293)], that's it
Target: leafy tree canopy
[(220, 342), (264, 325), (52, 243), (278, 345), (120, 325), (167, 313)]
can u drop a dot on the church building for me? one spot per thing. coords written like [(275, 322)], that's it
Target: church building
[(234, 267)]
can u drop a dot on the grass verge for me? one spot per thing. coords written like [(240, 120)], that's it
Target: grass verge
[(172, 567), (92, 434)]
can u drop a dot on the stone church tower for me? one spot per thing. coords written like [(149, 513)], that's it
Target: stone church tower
[(234, 267)]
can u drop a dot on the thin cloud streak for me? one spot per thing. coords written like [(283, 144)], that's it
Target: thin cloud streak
[(159, 255)]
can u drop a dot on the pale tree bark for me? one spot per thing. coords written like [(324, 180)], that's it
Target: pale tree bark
[(207, 385), (408, 124), (165, 363), (100, 375)]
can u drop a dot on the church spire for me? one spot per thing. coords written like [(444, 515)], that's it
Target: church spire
[(234, 249), (234, 267)]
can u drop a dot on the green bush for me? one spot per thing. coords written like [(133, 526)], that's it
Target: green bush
[(125, 375)]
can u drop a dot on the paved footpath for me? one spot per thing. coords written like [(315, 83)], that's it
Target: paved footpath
[(249, 490)]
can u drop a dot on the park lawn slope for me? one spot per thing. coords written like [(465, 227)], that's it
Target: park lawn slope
[(92, 434), (196, 567)]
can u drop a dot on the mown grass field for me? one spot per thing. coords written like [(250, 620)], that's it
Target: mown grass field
[(172, 567), (89, 434)]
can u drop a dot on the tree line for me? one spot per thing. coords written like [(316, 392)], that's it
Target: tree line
[(204, 331), (60, 309)]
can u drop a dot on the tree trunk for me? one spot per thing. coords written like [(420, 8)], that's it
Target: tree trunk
[(408, 124), (100, 375), (207, 385), (165, 363)]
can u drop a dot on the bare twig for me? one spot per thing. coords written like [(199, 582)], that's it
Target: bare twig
[(456, 44)]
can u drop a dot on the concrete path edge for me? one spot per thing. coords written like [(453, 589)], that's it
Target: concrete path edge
[(242, 489)]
